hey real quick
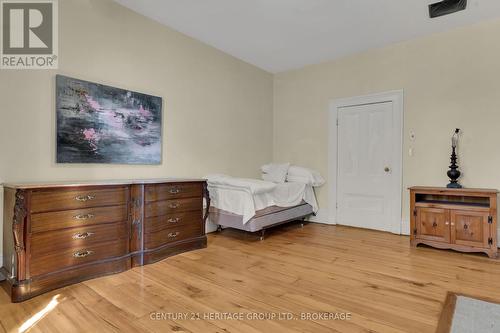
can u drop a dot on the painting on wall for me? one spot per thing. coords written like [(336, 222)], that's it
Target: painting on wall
[(103, 124)]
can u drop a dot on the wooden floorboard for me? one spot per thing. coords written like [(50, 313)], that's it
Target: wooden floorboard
[(376, 277)]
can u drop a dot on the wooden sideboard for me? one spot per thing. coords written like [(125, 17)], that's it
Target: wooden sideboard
[(63, 233), (459, 219)]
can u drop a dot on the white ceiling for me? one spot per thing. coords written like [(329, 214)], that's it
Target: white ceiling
[(279, 35)]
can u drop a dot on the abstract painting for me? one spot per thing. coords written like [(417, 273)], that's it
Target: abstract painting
[(103, 124)]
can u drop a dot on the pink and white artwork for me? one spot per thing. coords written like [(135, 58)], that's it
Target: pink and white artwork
[(103, 124)]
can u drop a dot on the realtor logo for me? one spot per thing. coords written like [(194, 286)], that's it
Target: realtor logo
[(29, 34)]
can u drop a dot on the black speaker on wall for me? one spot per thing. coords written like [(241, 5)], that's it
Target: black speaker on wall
[(446, 7)]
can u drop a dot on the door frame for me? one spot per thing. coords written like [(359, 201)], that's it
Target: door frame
[(397, 99)]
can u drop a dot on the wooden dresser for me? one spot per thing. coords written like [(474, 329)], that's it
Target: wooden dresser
[(459, 219), (59, 234)]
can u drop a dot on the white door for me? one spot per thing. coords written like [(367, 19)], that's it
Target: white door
[(369, 166)]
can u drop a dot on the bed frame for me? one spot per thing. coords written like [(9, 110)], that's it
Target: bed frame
[(263, 219)]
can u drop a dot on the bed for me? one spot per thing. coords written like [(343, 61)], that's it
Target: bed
[(255, 205)]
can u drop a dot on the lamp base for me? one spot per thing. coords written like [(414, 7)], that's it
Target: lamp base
[(454, 185)]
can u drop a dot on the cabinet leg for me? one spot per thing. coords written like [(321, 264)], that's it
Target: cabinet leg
[(492, 254)]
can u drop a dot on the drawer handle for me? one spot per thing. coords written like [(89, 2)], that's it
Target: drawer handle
[(174, 190), (173, 234), (83, 217), (83, 254), (466, 227), (82, 235), (434, 224), (172, 220), (175, 205), (84, 198)]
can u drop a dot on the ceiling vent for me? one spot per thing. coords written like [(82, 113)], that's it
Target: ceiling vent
[(446, 7)]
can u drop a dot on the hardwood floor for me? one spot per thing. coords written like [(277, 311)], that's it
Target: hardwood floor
[(385, 285)]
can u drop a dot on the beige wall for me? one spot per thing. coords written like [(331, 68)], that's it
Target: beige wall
[(450, 80), (217, 109)]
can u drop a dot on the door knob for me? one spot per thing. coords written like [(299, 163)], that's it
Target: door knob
[(387, 169)]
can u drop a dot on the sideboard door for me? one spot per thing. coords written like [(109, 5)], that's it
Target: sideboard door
[(470, 228), (433, 224)]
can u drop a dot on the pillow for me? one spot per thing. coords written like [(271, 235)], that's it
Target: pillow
[(265, 168), (304, 175), (275, 172)]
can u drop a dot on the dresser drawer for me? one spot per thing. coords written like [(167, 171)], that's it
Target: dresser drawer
[(77, 256), (157, 223), (77, 218), (167, 207), (170, 235), (55, 241), (63, 199), (173, 191)]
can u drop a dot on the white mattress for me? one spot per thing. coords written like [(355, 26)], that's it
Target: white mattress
[(240, 201)]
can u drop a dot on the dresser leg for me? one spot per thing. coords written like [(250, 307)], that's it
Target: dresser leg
[(492, 254), (262, 232)]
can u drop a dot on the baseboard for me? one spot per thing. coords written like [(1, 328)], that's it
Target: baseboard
[(1, 224), (498, 236), (1, 265), (210, 227), (405, 227), (321, 217)]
